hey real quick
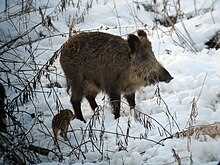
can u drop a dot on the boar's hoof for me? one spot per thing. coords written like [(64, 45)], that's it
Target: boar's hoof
[(81, 118)]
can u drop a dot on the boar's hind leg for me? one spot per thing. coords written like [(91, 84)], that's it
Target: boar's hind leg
[(63, 132), (92, 102), (115, 100), (55, 132), (130, 99)]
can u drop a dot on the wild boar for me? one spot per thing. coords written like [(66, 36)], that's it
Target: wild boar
[(96, 61), (61, 122)]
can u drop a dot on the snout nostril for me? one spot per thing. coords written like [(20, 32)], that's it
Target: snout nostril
[(168, 80)]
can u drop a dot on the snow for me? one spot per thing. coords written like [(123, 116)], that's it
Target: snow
[(196, 77)]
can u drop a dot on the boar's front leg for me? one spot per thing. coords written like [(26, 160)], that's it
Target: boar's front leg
[(76, 97), (130, 99), (115, 100), (92, 102), (77, 109)]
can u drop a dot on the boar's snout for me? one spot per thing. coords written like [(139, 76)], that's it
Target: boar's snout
[(165, 76)]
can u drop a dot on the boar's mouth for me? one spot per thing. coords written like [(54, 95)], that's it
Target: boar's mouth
[(165, 76), (154, 79), (168, 80)]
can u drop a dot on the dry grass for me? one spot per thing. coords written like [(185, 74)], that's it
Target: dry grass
[(212, 130)]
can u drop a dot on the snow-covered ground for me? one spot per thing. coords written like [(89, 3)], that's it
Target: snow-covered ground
[(195, 87)]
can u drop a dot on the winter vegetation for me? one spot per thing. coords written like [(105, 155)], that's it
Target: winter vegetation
[(172, 123)]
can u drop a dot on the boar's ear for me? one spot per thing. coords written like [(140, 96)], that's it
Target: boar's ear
[(133, 42), (142, 33)]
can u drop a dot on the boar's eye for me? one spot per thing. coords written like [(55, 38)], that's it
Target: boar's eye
[(142, 55)]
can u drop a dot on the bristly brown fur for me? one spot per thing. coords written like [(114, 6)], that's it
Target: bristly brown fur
[(95, 61), (61, 122), (141, 33)]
